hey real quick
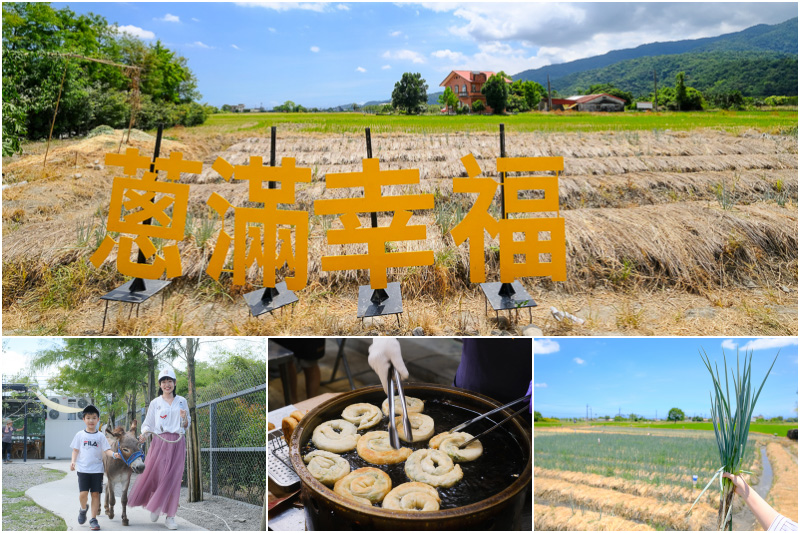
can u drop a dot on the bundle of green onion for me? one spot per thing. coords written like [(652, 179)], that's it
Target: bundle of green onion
[(731, 431)]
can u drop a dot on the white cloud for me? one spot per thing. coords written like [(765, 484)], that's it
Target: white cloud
[(404, 55), (386, 67), (195, 19), (342, 7), (201, 44), (235, 47), (767, 344), (135, 31), (314, 49), (729, 344), (272, 30), (452, 57), (540, 385), (397, 33), (579, 360), (288, 6), (360, 69), (169, 18), (545, 346)]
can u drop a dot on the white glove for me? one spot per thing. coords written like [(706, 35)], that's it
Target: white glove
[(383, 352)]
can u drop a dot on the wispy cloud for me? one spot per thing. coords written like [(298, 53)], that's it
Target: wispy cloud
[(235, 47), (169, 18), (342, 7), (761, 344), (195, 19), (450, 56), (397, 33), (314, 49), (545, 346), (288, 6), (272, 30), (404, 55), (540, 385), (579, 360), (386, 67), (136, 31), (201, 44), (360, 69)]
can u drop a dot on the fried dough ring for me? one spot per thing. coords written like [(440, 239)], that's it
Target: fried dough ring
[(374, 447), (325, 436), (433, 467), (449, 443), (413, 405), (412, 496), (366, 485), (363, 415), (421, 427), (327, 467)]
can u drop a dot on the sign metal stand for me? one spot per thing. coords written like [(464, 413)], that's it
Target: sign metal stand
[(268, 299), (378, 302), (506, 296), (139, 290)]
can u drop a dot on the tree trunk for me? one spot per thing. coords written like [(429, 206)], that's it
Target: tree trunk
[(151, 370), (132, 408), (193, 474)]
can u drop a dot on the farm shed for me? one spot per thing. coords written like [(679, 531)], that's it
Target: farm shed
[(586, 102)]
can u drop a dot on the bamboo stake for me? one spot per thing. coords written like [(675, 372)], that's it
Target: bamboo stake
[(44, 164)]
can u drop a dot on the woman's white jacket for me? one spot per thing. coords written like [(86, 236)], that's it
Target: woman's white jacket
[(165, 418)]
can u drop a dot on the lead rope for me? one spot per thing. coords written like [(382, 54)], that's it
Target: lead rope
[(169, 441)]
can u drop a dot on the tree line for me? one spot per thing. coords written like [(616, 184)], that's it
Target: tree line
[(39, 48)]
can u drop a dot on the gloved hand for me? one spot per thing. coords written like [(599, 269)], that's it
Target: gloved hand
[(383, 352), (530, 390)]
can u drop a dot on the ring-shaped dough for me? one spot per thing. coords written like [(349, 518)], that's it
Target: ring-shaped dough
[(374, 447), (421, 427), (412, 496), (327, 467), (363, 415), (449, 443), (326, 437), (366, 485), (413, 405), (433, 467)]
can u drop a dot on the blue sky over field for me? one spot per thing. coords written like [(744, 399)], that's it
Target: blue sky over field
[(644, 375), (323, 54)]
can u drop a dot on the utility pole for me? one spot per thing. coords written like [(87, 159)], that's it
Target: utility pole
[(549, 96), (655, 91), (587, 412)]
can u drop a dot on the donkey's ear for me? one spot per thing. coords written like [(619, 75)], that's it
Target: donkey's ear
[(108, 431)]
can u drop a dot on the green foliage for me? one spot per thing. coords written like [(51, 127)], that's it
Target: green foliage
[(35, 38), (478, 106), (410, 93), (537, 416), (619, 418), (675, 414), (496, 91), (697, 419), (448, 99), (780, 100)]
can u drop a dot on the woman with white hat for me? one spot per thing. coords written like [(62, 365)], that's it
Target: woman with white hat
[(158, 489)]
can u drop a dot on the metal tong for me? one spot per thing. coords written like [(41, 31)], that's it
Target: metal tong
[(481, 417), (395, 384)]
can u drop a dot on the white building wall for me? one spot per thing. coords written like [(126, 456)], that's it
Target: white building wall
[(58, 436)]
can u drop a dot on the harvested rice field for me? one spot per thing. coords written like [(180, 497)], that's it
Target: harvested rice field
[(618, 479), (669, 232)]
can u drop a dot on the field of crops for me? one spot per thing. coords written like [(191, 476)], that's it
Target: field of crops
[(602, 480), (778, 429)]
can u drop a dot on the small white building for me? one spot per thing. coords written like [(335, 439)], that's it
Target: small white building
[(60, 428), (644, 106)]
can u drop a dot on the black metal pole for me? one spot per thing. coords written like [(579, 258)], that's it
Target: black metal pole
[(373, 215), (138, 283), (25, 431), (273, 134), (503, 174)]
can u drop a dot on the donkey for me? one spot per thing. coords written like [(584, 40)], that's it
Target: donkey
[(120, 470)]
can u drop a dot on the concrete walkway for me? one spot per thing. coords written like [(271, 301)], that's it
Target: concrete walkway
[(61, 498)]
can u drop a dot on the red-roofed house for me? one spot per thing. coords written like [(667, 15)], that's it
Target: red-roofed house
[(467, 85), (586, 102)]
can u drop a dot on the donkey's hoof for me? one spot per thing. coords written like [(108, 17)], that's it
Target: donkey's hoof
[(124, 521), (110, 516)]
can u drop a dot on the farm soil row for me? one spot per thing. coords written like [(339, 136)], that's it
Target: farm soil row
[(561, 518), (783, 493)]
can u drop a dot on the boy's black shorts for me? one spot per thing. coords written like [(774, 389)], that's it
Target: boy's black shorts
[(90, 482)]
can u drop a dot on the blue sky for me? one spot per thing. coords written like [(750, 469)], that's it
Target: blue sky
[(649, 374), (323, 54)]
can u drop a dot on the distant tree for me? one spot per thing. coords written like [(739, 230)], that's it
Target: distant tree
[(496, 91), (226, 108), (618, 418), (410, 93), (675, 414), (478, 106), (448, 98), (517, 103), (680, 90), (697, 419), (607, 417), (537, 416), (532, 92), (387, 108)]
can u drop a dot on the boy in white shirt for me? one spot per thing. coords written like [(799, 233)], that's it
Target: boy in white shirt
[(88, 447)]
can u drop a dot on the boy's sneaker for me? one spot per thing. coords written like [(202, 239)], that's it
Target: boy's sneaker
[(170, 523), (93, 525), (82, 515), (153, 516)]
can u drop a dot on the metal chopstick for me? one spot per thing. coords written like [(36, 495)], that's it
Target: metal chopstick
[(491, 428), (493, 411)]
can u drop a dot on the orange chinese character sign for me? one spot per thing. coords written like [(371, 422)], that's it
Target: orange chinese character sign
[(377, 259), (135, 201), (258, 238), (531, 247)]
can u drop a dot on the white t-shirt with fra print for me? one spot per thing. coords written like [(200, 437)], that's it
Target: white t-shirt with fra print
[(90, 448)]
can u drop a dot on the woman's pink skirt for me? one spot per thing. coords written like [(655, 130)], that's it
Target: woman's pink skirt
[(158, 488)]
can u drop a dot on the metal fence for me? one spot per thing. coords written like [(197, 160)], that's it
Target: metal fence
[(231, 418)]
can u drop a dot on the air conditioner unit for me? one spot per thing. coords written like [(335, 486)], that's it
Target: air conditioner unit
[(53, 414)]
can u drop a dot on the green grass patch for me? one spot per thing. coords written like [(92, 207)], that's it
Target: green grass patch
[(13, 493), (767, 428), (26, 515), (775, 121)]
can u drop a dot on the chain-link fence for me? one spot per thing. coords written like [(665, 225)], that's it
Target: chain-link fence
[(231, 418)]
